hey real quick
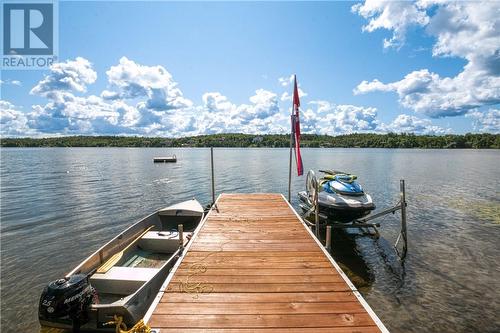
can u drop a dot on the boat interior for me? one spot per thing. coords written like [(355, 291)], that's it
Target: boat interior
[(144, 255), (125, 272)]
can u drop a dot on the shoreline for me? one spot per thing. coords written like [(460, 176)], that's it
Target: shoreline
[(249, 147), (236, 140)]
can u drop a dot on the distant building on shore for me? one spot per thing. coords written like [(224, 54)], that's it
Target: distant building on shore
[(257, 139)]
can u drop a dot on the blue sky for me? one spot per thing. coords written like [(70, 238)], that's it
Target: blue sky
[(223, 62)]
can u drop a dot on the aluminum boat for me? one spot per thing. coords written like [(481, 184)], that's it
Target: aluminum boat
[(123, 277)]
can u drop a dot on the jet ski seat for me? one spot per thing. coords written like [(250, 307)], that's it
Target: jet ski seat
[(342, 177)]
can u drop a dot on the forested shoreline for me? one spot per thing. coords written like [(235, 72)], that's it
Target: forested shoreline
[(390, 140)]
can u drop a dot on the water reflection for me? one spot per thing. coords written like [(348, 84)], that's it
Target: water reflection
[(346, 252)]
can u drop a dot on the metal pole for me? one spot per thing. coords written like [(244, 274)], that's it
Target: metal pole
[(403, 216), (329, 238), (180, 228), (213, 178), (316, 213), (290, 164)]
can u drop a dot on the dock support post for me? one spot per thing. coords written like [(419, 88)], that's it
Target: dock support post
[(316, 211), (403, 217), (213, 178), (180, 228), (329, 238)]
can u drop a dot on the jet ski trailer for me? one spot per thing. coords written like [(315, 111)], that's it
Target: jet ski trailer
[(341, 197), (123, 277)]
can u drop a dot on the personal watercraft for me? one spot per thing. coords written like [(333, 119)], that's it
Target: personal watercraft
[(341, 197)]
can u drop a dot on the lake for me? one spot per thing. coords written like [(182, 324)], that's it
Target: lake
[(58, 205)]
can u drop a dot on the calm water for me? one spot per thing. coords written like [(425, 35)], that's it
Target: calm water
[(59, 205)]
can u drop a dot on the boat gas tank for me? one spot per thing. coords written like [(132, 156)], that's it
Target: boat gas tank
[(66, 300)]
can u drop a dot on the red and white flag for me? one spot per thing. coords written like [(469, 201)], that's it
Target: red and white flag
[(296, 127)]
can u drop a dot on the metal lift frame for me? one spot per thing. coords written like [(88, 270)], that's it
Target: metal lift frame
[(363, 223)]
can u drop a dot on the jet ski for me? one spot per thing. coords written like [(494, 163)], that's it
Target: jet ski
[(341, 197)]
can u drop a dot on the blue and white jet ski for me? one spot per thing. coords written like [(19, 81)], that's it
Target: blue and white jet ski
[(341, 197)]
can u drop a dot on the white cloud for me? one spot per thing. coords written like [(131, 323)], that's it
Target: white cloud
[(129, 115), (375, 85), (329, 118), (264, 105), (468, 30), (411, 124), (285, 81), (332, 119), (12, 121), (488, 121), (262, 115), (288, 97), (72, 75), (10, 82), (80, 115), (216, 102), (153, 82), (65, 113), (397, 16), (126, 111)]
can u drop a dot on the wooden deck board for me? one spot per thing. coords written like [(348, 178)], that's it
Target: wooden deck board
[(261, 321), (269, 287), (260, 308), (358, 329), (253, 266)]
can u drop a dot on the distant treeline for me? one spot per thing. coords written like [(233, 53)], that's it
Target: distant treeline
[(390, 140)]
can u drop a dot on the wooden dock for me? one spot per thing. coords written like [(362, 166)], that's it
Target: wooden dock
[(253, 265)]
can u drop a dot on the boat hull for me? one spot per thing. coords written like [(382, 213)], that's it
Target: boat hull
[(340, 208)]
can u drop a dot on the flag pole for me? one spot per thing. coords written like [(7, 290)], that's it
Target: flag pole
[(290, 164), (291, 144)]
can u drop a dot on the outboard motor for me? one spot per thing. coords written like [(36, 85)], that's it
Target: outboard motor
[(67, 301)]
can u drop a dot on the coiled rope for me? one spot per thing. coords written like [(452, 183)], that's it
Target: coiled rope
[(196, 269), (121, 327)]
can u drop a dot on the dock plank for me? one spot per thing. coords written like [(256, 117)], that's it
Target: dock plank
[(268, 287), (254, 267), (255, 258), (358, 329), (260, 271), (260, 254), (259, 308), (212, 297), (246, 279), (264, 321), (244, 264)]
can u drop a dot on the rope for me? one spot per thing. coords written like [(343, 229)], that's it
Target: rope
[(195, 269), (244, 219), (139, 327)]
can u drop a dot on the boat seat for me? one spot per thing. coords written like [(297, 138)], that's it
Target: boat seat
[(161, 242), (122, 280)]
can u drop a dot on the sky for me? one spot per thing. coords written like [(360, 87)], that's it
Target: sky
[(188, 68)]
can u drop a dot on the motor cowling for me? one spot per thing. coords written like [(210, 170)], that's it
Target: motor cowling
[(67, 300)]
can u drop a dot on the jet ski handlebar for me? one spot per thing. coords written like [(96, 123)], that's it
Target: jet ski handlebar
[(332, 172)]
